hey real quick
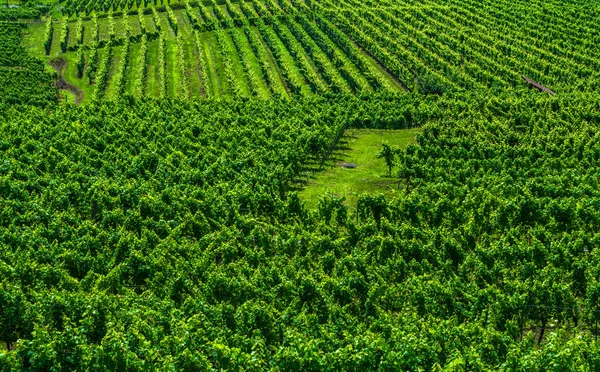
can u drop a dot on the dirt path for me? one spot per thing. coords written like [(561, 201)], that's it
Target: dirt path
[(58, 64)]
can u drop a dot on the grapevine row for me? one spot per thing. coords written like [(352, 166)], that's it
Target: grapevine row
[(261, 9), (64, 35), (259, 51), (111, 26), (203, 66), (162, 75), (354, 54), (172, 20), (293, 82), (142, 21), (102, 74), (121, 73), (48, 32), (297, 51), (80, 62), (338, 59), (95, 29), (253, 78), (224, 20), (238, 18), (321, 61), (181, 64), (92, 65), (79, 29)]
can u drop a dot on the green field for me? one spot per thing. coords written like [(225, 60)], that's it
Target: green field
[(359, 147)]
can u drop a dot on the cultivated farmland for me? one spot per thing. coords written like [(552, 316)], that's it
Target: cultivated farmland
[(263, 49), (299, 185)]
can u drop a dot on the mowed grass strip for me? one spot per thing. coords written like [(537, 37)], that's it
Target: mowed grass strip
[(185, 27), (217, 65), (120, 26), (134, 24), (131, 76), (152, 88), (193, 67), (357, 146), (207, 58), (102, 28), (172, 71), (164, 21), (150, 25)]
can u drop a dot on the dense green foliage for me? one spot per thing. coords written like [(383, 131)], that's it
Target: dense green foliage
[(26, 10), (167, 234), (164, 235), (23, 80)]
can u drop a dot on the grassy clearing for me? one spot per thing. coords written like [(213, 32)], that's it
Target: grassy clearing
[(357, 146), (66, 96)]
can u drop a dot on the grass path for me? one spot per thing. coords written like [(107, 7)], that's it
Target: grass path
[(280, 82), (172, 71), (213, 82), (289, 60), (358, 146), (193, 68), (152, 89), (132, 68), (217, 65)]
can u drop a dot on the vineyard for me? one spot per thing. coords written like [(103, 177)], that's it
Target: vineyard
[(299, 185), (286, 48), (23, 78), (214, 51)]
